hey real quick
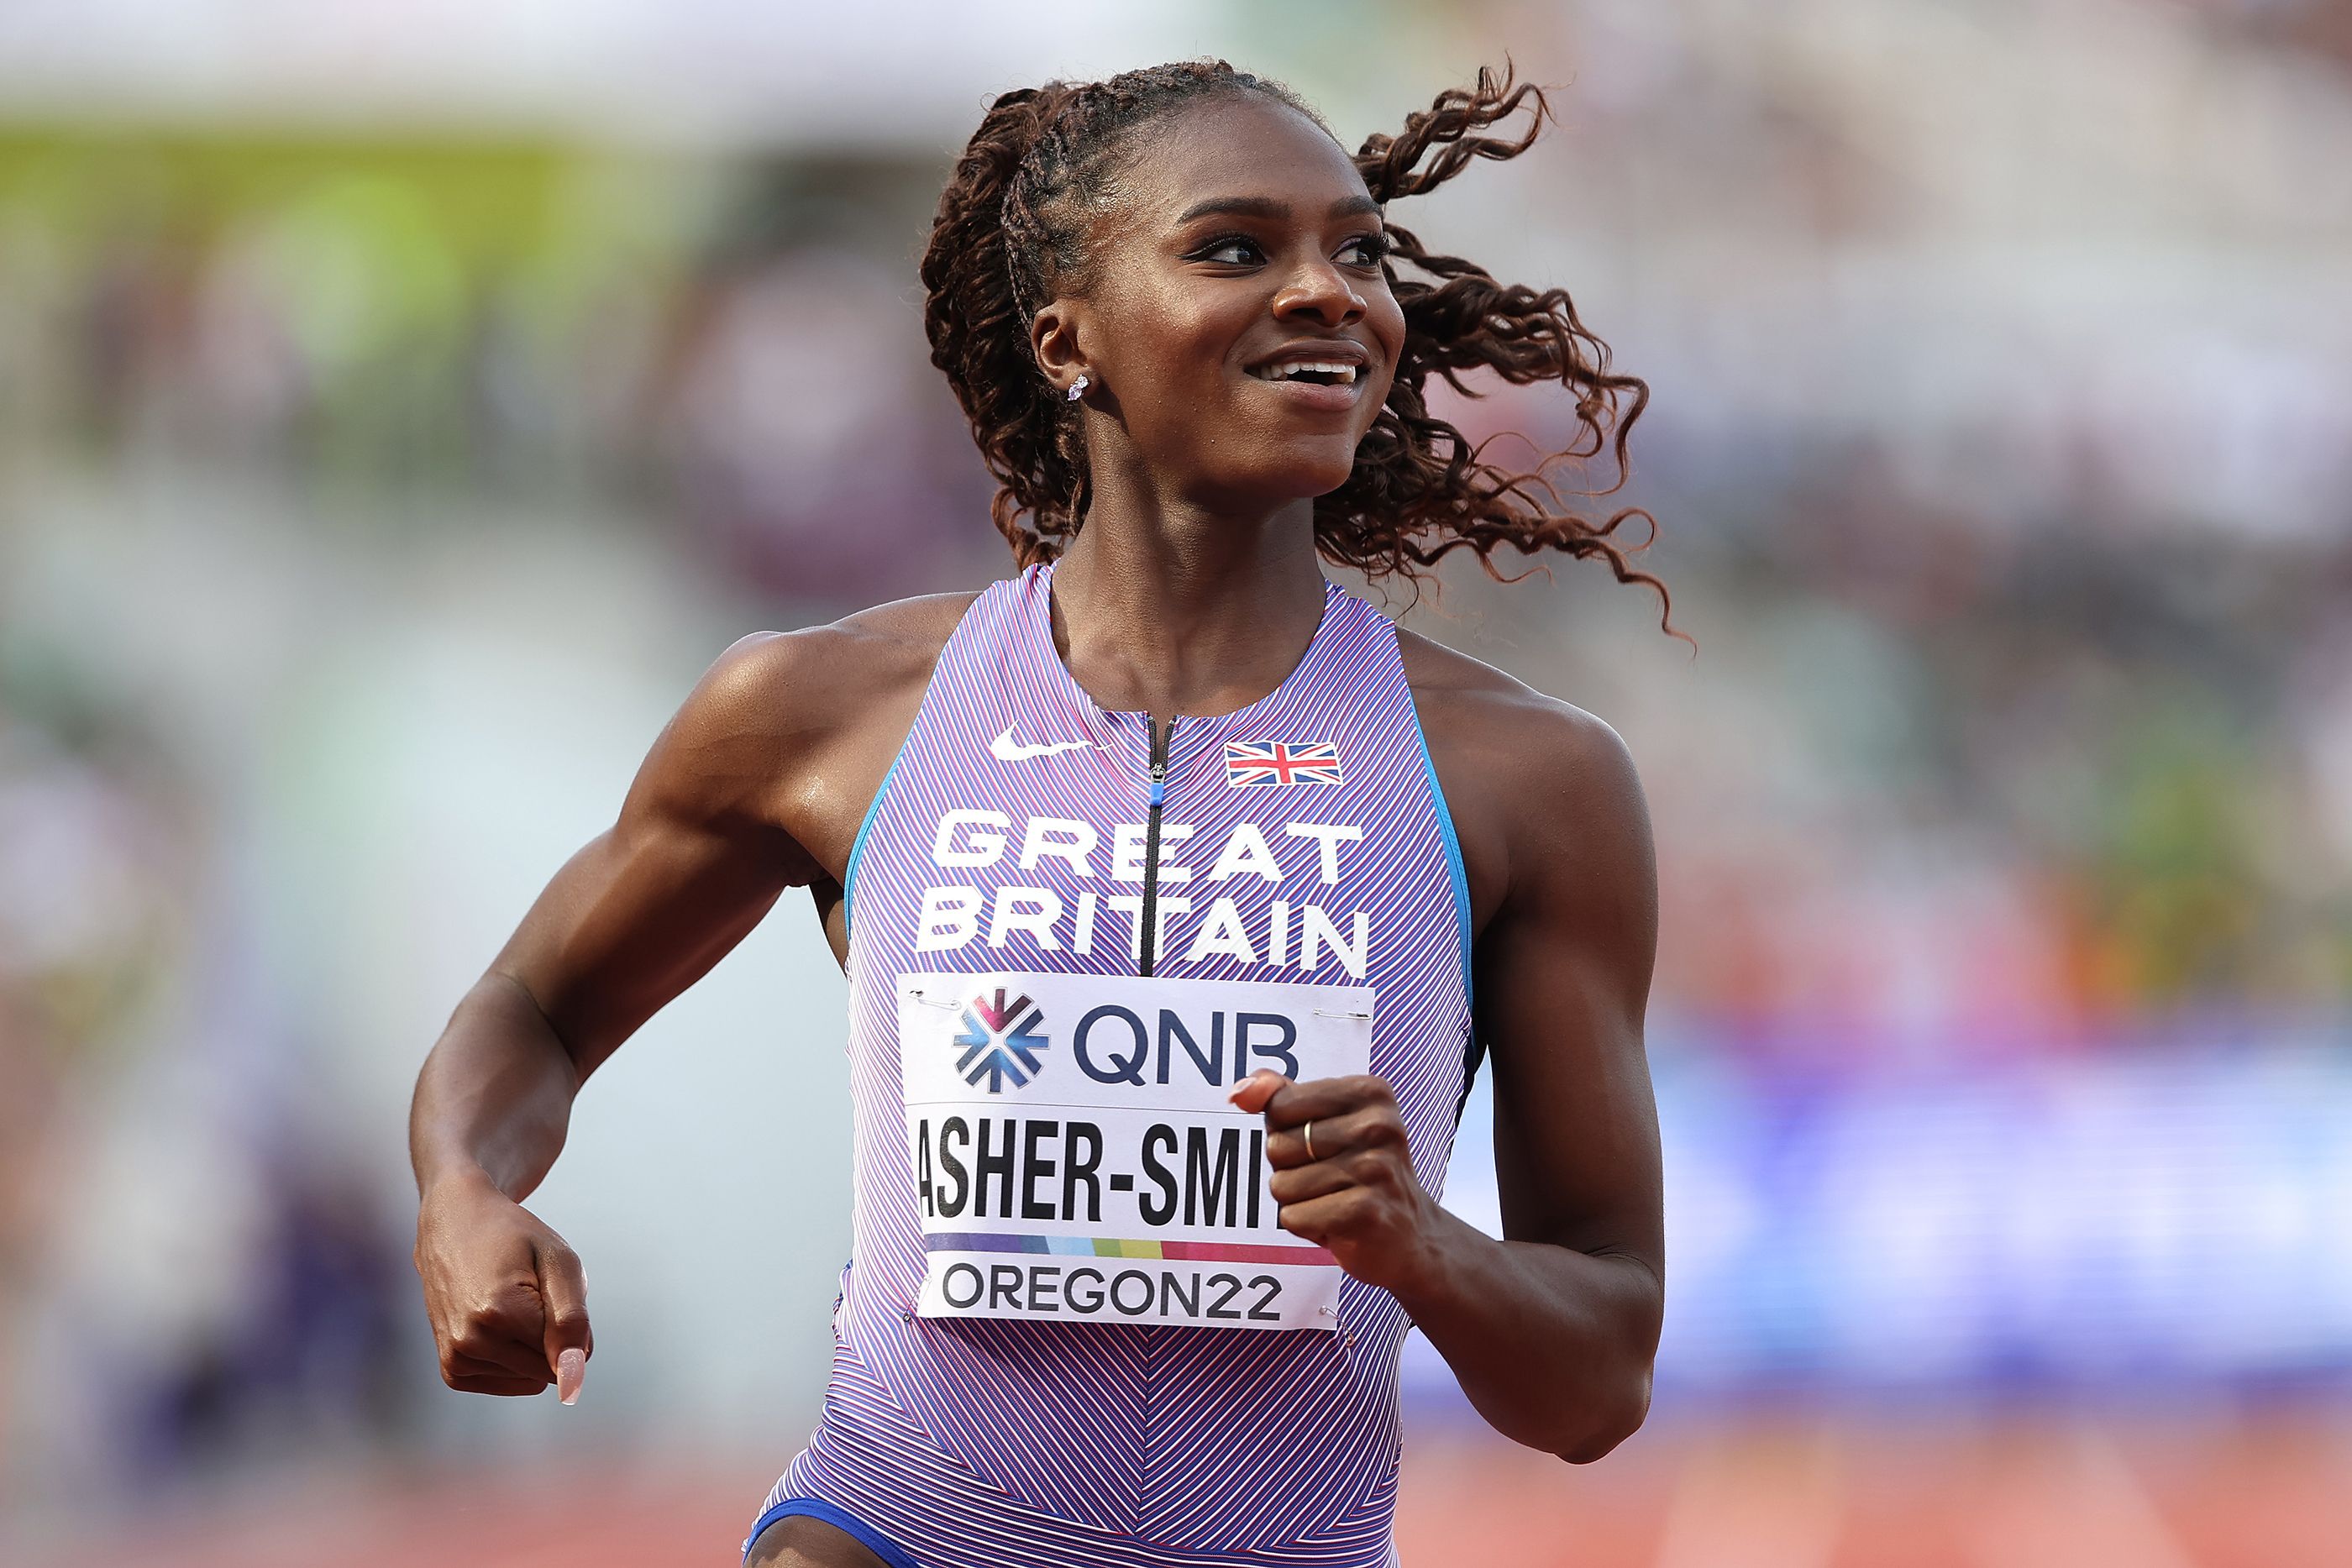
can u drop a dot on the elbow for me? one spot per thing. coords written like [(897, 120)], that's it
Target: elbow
[(1611, 1420), (1619, 1401)]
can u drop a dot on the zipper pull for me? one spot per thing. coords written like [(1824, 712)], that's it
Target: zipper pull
[(1148, 938), (1160, 760)]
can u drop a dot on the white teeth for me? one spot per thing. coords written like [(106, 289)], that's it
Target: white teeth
[(1288, 368)]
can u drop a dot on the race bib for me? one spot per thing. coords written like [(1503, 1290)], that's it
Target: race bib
[(1075, 1157)]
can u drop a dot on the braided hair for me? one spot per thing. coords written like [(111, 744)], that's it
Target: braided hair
[(1010, 236)]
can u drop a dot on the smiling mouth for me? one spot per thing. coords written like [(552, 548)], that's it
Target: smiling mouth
[(1313, 372)]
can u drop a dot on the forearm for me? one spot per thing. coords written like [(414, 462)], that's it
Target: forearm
[(495, 1095), (1553, 1346)]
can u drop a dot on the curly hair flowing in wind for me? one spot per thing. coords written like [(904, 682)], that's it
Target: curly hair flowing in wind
[(1010, 236)]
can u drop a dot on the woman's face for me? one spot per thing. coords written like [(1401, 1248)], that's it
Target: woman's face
[(1240, 248)]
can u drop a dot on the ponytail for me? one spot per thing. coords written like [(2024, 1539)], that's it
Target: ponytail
[(978, 329)]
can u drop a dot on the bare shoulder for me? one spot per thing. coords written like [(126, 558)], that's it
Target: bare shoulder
[(1531, 779), (920, 625), (781, 721), (1485, 716), (817, 677), (823, 683)]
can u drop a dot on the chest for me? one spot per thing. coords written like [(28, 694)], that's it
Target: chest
[(1281, 859)]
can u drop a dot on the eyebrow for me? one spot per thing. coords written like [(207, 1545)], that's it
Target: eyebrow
[(1267, 207)]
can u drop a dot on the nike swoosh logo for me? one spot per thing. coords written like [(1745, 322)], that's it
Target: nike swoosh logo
[(1007, 749)]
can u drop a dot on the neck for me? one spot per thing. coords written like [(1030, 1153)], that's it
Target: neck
[(1170, 606)]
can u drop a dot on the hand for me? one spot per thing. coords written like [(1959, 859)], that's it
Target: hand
[(505, 1295), (1358, 1194)]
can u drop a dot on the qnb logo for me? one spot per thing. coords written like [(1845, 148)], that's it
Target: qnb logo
[(999, 1041)]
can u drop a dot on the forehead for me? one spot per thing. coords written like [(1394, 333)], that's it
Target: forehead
[(1241, 146)]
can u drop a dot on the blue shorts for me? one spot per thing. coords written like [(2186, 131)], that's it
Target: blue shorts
[(873, 1539)]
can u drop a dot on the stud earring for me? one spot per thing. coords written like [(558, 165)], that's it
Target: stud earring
[(1077, 387)]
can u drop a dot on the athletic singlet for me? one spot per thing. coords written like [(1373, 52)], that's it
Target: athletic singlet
[(1042, 1357)]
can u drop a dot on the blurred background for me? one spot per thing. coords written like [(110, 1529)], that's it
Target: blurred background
[(402, 405)]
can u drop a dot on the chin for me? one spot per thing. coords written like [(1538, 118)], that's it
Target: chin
[(1294, 470), (1312, 469)]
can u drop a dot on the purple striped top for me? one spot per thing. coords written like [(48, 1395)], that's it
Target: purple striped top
[(1004, 1442)]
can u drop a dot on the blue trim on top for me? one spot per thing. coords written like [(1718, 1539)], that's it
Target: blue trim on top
[(857, 845), (848, 1523), (1452, 857)]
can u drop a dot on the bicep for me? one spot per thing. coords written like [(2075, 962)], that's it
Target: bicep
[(690, 866), (1563, 974)]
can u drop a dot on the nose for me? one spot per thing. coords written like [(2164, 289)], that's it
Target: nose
[(1318, 291)]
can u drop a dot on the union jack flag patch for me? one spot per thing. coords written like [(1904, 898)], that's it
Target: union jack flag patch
[(1281, 762)]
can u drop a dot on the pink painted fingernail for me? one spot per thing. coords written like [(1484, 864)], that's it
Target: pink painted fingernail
[(570, 1368)]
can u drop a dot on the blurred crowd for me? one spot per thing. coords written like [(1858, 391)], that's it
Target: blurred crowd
[(2004, 478), (1978, 767), (730, 347)]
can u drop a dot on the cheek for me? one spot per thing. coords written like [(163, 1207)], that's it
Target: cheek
[(1174, 359), (1159, 329), (1386, 319)]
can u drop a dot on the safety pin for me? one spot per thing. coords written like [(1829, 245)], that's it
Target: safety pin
[(1326, 1013), (925, 998)]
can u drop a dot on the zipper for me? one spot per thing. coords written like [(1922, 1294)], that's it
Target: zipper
[(1150, 937)]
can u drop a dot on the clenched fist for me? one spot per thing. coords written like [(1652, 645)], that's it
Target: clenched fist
[(1343, 1174), (505, 1294)]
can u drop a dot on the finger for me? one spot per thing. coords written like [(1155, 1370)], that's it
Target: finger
[(496, 1385), (1315, 1099), (564, 1289), (505, 1335), (461, 1364), (1320, 1218), (1252, 1092), (1304, 1182), (1366, 1127)]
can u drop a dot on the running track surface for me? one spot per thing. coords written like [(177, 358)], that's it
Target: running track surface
[(2264, 1491)]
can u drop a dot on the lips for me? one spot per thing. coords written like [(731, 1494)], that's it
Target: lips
[(1319, 373)]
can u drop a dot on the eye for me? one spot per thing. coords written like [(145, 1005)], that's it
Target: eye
[(1366, 250), (1233, 250)]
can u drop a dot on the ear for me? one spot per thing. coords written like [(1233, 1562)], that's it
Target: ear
[(1054, 338)]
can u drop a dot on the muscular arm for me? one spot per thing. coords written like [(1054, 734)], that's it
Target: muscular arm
[(755, 785), (644, 909), (1552, 1330), (695, 858)]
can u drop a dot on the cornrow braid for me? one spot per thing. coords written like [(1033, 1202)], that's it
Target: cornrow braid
[(1010, 236)]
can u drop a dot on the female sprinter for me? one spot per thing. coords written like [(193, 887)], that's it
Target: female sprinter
[(1164, 873)]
